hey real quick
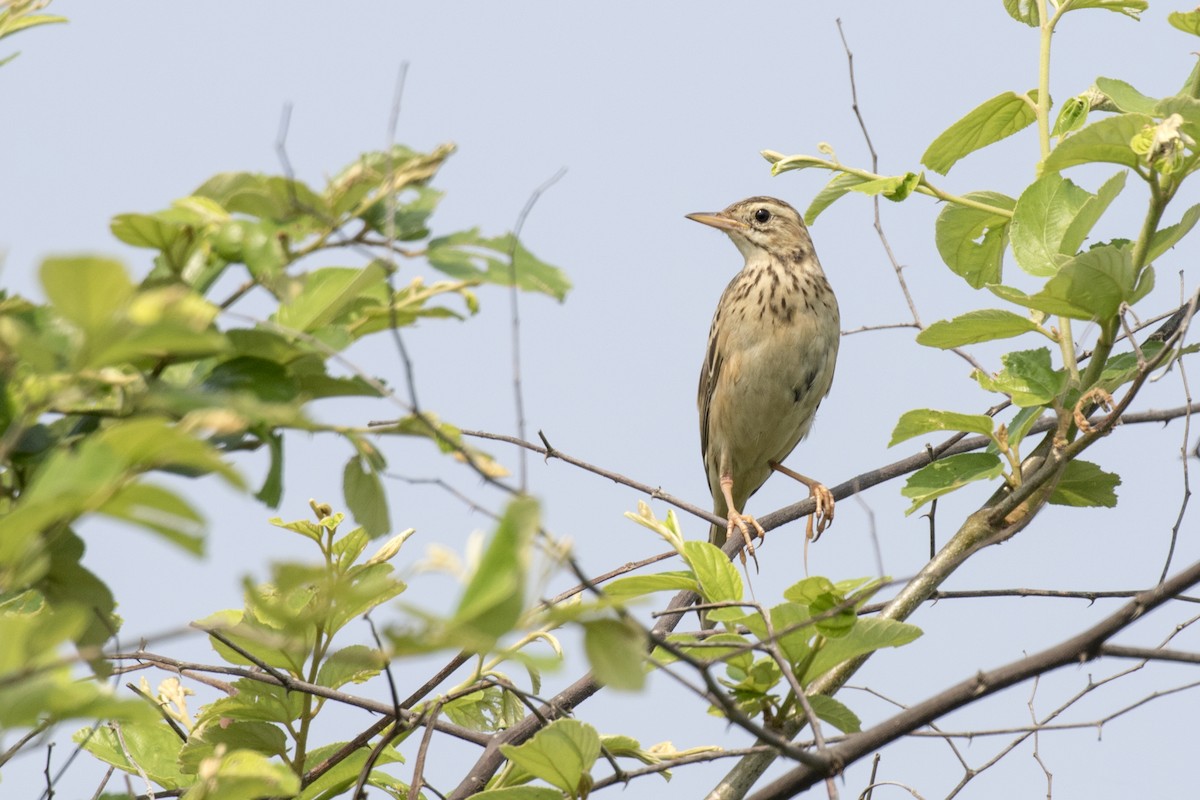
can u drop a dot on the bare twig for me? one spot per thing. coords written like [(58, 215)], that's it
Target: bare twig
[(514, 306), (1184, 450)]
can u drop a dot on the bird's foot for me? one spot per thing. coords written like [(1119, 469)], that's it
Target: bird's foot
[(749, 528), (822, 516)]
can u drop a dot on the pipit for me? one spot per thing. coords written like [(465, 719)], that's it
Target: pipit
[(771, 354)]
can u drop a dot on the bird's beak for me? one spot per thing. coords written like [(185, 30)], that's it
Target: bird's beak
[(719, 220)]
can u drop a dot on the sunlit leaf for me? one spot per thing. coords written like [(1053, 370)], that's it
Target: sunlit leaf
[(925, 420), (1085, 484), (996, 119), (1028, 378), (636, 585), (562, 754), (869, 635), (835, 713), (366, 497), (838, 186), (1166, 238), (615, 651), (1186, 21), (495, 595), (1044, 212), (469, 255), (1125, 97), (947, 474), (972, 241), (976, 326), (1106, 140)]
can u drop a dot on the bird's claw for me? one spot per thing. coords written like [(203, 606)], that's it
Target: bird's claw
[(822, 516), (749, 528)]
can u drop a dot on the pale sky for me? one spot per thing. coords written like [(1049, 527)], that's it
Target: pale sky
[(655, 110)]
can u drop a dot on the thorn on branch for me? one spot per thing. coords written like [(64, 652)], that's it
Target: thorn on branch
[(550, 452)]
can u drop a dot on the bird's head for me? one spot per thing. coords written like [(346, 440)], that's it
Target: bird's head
[(762, 224)]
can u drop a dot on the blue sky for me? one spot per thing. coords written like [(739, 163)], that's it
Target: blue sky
[(655, 110)]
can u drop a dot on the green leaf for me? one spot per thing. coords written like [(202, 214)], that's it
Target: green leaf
[(495, 595), (270, 197), (410, 220), (1021, 423), (271, 491), (895, 188), (365, 497), (1090, 286), (1105, 140), (356, 663), (971, 241), (520, 793), (925, 420), (1025, 11), (1123, 367), (637, 585), (1125, 97), (947, 474), (781, 163), (1130, 8), (1166, 238), (159, 510), (1027, 378), (835, 713), (1072, 115), (718, 578), (375, 176), (243, 775), (1186, 21), (795, 644), (202, 743), (1090, 214), (329, 293), (340, 777), (868, 636), (562, 754), (87, 291), (1044, 212), (151, 749), (838, 185), (995, 119), (257, 701), (468, 255), (15, 18), (1085, 484), (69, 585), (976, 326), (615, 651)]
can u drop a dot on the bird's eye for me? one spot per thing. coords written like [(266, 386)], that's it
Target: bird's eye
[(762, 215)]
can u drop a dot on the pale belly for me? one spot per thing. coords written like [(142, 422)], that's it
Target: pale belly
[(760, 420)]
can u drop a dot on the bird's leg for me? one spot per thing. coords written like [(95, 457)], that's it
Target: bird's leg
[(823, 513), (744, 522)]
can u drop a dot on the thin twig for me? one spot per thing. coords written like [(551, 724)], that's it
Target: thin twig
[(1184, 455), (514, 308)]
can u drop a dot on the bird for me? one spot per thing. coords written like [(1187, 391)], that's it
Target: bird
[(772, 349)]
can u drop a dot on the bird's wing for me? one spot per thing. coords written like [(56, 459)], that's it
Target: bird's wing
[(708, 382)]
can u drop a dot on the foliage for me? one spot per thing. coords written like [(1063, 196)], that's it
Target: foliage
[(117, 391), (1044, 230)]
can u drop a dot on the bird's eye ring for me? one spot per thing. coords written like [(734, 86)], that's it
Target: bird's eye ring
[(762, 215)]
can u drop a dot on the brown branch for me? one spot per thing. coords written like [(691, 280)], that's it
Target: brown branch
[(292, 684), (1082, 647), (1149, 654), (953, 445)]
